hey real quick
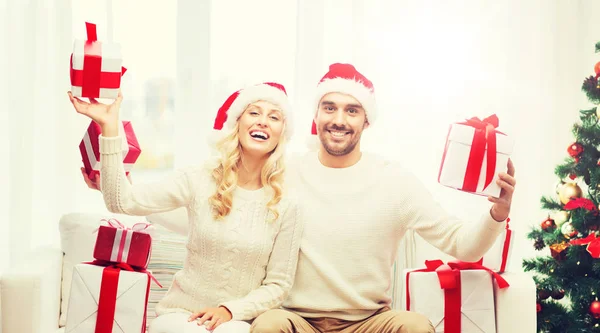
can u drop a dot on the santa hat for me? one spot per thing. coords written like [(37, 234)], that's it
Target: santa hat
[(345, 79), (235, 105)]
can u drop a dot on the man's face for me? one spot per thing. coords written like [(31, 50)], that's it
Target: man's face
[(340, 121)]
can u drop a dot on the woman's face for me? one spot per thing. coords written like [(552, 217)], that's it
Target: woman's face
[(260, 128)]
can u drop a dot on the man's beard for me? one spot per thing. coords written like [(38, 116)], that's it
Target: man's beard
[(339, 151)]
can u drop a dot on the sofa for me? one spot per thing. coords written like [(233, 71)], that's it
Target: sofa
[(35, 293)]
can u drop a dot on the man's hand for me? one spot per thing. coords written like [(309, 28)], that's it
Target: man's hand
[(501, 208), (212, 317), (95, 183)]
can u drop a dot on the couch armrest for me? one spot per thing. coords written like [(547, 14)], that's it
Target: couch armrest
[(30, 293), (515, 305)]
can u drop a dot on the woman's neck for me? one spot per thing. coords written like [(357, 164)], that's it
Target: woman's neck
[(249, 170)]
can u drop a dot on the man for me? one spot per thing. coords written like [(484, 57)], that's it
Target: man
[(357, 208)]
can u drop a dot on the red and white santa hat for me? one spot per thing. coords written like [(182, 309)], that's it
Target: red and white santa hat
[(345, 79), (235, 105)]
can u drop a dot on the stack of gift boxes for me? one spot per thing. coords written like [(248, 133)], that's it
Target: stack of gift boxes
[(96, 72), (469, 297), (110, 294)]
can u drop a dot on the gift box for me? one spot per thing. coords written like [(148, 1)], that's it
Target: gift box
[(475, 153), (90, 148), (457, 297), (119, 244), (107, 299), (95, 67), (515, 306), (498, 256)]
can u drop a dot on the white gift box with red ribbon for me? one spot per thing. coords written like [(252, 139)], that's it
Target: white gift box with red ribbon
[(96, 69), (457, 297), (475, 153), (107, 300), (90, 147)]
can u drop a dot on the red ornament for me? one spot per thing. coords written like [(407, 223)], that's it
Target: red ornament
[(543, 294), (574, 150), (548, 224), (595, 309), (538, 307), (572, 176), (597, 69)]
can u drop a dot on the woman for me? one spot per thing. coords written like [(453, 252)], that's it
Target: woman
[(243, 231)]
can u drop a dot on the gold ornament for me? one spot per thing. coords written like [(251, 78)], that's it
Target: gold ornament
[(568, 191), (598, 111), (561, 217)]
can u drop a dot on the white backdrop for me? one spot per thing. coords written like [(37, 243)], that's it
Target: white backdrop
[(432, 63)]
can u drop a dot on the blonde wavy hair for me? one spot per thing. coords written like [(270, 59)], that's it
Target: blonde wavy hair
[(225, 174)]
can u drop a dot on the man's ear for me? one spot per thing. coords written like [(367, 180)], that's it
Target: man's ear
[(366, 125)]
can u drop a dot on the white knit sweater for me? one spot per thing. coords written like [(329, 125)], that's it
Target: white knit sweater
[(354, 219), (244, 262)]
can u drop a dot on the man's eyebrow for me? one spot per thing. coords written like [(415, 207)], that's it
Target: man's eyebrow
[(356, 106), (327, 103)]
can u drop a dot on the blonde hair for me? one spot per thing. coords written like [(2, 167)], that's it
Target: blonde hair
[(225, 174)]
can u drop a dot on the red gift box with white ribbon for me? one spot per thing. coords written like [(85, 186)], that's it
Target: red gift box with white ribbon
[(117, 243), (90, 148), (95, 67), (475, 153)]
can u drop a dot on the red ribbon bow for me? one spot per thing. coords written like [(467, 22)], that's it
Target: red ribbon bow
[(485, 136), (592, 242), (584, 203), (449, 277), (91, 78), (108, 293)]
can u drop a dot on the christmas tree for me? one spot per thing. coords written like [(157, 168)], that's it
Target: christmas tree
[(571, 233)]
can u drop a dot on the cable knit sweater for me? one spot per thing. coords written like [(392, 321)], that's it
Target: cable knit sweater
[(354, 221), (244, 262)]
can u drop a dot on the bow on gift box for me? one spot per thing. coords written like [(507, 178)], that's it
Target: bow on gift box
[(144, 227), (449, 277), (91, 78), (108, 293), (485, 136), (592, 242)]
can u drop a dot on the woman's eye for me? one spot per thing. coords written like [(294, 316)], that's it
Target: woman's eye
[(275, 118)]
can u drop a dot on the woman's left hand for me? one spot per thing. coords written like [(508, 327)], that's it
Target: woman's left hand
[(212, 317)]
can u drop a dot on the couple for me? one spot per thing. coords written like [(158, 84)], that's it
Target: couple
[(307, 248)]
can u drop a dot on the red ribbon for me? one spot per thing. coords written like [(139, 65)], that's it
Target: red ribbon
[(505, 249), (108, 294), (449, 277), (91, 78), (584, 203), (485, 136), (592, 242)]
